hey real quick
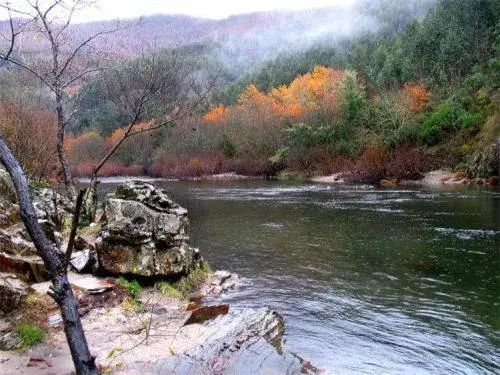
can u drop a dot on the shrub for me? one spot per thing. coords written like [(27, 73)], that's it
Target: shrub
[(407, 163), (307, 136), (446, 115), (187, 284), (169, 290), (471, 120), (31, 334), (392, 119), (371, 164), (132, 288)]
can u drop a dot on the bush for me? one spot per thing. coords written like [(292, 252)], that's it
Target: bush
[(187, 284), (407, 163), (471, 120), (447, 115), (132, 288), (370, 166), (307, 136), (392, 119), (31, 334)]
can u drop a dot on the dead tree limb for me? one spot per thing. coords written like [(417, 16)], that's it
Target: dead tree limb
[(55, 267)]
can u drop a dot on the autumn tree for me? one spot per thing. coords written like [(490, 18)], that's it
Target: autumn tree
[(40, 39), (31, 134)]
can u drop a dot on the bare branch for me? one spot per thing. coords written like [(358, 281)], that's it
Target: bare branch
[(82, 45)]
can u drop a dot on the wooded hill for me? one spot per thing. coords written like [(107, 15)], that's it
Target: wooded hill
[(387, 89)]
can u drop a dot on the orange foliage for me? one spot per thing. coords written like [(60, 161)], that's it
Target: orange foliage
[(217, 115), (317, 90), (419, 96), (310, 92)]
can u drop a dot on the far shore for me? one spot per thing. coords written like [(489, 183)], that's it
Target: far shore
[(433, 178)]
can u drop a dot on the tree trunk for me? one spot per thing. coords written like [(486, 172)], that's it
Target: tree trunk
[(61, 154), (61, 290)]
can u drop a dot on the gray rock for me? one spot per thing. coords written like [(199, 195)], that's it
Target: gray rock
[(55, 320), (245, 342), (17, 252), (84, 261), (13, 292), (28, 267), (13, 241), (10, 341), (219, 282), (145, 234), (52, 206)]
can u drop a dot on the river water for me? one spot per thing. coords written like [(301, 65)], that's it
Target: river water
[(369, 280)]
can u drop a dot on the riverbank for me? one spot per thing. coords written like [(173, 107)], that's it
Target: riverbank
[(152, 334), (433, 178), (141, 289)]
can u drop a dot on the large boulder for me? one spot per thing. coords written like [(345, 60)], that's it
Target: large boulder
[(145, 234)]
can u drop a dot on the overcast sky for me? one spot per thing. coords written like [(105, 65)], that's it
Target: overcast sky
[(215, 9)]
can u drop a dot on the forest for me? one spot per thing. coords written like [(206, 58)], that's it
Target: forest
[(418, 91)]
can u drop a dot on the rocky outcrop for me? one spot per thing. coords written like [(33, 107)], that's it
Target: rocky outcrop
[(145, 234), (244, 342), (17, 253)]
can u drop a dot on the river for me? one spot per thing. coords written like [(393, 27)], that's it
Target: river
[(369, 280)]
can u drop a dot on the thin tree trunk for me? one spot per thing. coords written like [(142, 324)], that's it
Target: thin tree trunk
[(61, 290), (61, 154)]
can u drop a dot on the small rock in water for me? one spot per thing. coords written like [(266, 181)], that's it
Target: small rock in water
[(219, 282)]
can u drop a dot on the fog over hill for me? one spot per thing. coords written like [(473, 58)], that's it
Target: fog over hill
[(243, 41)]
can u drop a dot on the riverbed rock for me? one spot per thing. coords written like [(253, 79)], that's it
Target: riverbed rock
[(17, 252), (217, 283), (52, 206), (10, 340), (145, 234), (13, 292)]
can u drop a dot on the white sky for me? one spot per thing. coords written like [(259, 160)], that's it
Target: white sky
[(215, 9)]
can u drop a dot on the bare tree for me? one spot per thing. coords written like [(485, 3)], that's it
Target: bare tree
[(153, 91), (59, 59), (56, 265)]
